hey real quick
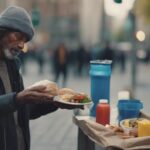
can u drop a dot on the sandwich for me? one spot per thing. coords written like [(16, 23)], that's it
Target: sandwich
[(51, 87), (70, 95)]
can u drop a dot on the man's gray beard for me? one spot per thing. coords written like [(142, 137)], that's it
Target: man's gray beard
[(8, 54)]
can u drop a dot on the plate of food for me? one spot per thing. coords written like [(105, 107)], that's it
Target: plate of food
[(131, 125), (70, 97)]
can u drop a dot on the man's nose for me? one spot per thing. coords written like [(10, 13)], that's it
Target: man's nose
[(21, 45)]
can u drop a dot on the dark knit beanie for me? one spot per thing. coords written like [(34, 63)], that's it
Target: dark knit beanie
[(17, 19)]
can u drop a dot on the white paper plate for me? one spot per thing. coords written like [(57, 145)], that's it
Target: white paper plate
[(57, 98)]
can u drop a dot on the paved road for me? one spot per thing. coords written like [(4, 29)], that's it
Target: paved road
[(56, 130)]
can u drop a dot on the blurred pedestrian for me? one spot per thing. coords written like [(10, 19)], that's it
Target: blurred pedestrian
[(122, 61), (80, 59), (96, 51), (40, 57), (61, 63), (108, 53)]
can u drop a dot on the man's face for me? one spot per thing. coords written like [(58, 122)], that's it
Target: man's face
[(13, 43)]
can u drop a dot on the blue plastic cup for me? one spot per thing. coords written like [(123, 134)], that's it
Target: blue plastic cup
[(129, 109), (100, 72)]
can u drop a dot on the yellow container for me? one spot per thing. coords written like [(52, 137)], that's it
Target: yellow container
[(144, 128)]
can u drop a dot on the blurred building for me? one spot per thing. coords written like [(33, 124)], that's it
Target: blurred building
[(64, 21), (58, 18), (91, 21), (69, 21)]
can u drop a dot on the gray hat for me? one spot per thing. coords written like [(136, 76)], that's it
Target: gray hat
[(17, 19)]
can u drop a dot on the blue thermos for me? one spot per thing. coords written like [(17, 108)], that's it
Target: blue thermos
[(100, 72)]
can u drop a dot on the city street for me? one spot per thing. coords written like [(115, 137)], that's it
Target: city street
[(56, 130), (52, 36)]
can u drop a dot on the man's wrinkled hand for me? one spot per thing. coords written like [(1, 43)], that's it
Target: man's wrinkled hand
[(34, 95)]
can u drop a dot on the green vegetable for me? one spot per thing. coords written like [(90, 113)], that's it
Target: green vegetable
[(85, 100)]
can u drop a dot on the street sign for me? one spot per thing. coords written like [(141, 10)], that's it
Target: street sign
[(35, 17), (118, 1)]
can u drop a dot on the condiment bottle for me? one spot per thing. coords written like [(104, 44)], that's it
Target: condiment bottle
[(103, 112)]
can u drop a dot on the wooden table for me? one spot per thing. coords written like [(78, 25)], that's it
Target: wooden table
[(84, 141)]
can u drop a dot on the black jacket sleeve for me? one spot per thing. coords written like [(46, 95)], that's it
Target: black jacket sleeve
[(7, 103), (37, 110)]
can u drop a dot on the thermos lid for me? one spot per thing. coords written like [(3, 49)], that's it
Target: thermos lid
[(101, 62), (103, 101), (100, 68)]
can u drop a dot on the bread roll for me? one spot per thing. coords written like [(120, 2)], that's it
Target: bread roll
[(66, 91), (50, 86)]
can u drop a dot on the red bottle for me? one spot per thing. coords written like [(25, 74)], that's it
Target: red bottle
[(103, 112)]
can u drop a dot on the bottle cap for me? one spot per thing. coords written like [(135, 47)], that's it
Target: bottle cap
[(123, 95), (103, 101)]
